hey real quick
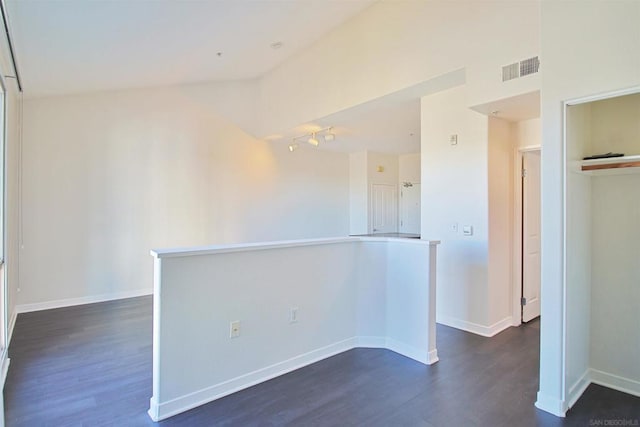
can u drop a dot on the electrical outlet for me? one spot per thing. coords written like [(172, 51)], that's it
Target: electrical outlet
[(234, 329), (293, 315), (454, 227)]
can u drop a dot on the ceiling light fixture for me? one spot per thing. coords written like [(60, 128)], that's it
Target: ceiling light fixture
[(313, 141), (312, 138), (329, 136)]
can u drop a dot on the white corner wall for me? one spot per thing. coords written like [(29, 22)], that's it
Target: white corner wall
[(600, 42), (455, 191), (107, 176)]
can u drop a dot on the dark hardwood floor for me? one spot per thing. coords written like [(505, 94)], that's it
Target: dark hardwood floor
[(91, 366)]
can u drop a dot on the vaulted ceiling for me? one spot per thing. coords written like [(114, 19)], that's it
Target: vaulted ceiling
[(71, 46)]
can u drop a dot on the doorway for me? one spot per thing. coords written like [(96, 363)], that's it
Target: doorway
[(528, 234), (384, 208), (410, 208)]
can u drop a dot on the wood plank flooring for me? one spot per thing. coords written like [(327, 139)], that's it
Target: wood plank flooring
[(91, 366)]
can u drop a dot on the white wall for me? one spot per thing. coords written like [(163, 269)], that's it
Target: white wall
[(455, 183), (615, 342), (526, 133), (500, 203), (409, 168), (413, 41), (349, 292), (578, 249), (600, 43), (358, 194), (107, 176), (389, 164)]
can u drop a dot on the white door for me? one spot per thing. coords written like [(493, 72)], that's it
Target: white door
[(384, 208), (410, 208), (531, 235)]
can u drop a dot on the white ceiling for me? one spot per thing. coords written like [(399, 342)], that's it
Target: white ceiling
[(70, 46)]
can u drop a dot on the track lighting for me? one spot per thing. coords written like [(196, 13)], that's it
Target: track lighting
[(313, 141), (312, 138), (328, 137)]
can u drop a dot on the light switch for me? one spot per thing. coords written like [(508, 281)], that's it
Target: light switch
[(453, 139), (467, 230)]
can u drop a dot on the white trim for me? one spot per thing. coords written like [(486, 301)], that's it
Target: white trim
[(615, 382), (12, 324), (370, 342), (246, 247), (5, 369), (47, 305), (420, 355), (563, 302), (159, 412), (527, 148), (605, 95), (578, 388), (474, 328), (551, 405)]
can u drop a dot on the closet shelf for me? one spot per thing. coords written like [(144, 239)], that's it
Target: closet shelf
[(612, 165)]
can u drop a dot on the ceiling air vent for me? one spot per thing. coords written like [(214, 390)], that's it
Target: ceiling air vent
[(510, 72), (529, 66), (520, 69)]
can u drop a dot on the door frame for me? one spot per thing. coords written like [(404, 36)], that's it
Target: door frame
[(516, 288)]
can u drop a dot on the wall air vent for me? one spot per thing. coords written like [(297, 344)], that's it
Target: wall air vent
[(529, 66), (510, 72), (520, 69)]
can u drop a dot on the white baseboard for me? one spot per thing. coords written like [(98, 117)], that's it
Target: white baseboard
[(474, 328), (551, 405), (428, 358), (371, 342), (590, 376), (160, 411), (615, 382), (578, 388), (11, 325), (5, 369), (48, 305)]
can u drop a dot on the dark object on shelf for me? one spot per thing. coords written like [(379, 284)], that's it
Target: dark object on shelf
[(603, 156)]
